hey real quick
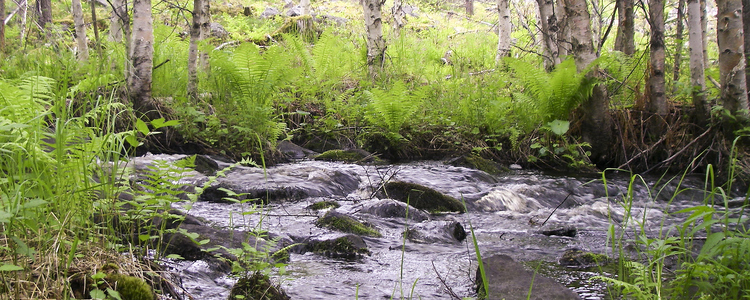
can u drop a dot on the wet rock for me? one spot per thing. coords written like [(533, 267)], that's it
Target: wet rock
[(344, 223), (352, 155), (321, 205), (270, 12), (204, 165), (286, 182), (348, 247), (420, 197), (388, 208), (568, 231), (257, 286), (411, 10), (509, 280), (218, 31), (477, 162), (338, 20), (294, 11), (506, 200), (436, 232), (292, 151), (515, 167), (577, 258)]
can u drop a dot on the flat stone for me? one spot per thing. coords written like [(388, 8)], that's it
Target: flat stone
[(510, 280)]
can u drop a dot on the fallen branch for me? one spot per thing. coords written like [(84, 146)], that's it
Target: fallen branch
[(447, 288)]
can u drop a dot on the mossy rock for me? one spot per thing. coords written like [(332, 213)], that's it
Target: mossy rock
[(320, 205), (354, 155), (420, 197), (130, 287), (341, 222), (576, 258), (474, 161), (348, 246), (256, 286), (303, 26)]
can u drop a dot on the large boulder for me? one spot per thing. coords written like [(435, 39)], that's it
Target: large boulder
[(510, 280), (347, 246), (270, 12), (421, 197)]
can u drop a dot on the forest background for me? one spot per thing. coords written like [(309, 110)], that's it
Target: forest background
[(567, 85)]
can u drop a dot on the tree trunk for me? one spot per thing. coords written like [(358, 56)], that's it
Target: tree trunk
[(2, 26), (549, 33), (746, 40), (399, 17), (44, 12), (625, 40), (704, 32), (504, 28), (679, 36), (23, 10), (656, 86), (305, 6), (563, 35), (117, 20), (198, 32), (375, 42), (731, 61), (597, 126), (697, 76), (469, 7), (94, 21), (142, 60), (596, 24), (80, 28)]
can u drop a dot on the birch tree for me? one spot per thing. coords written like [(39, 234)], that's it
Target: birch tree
[(80, 29), (2, 25), (656, 86), (597, 125), (731, 61), (119, 21), (625, 40), (199, 31), (697, 76), (375, 42), (142, 59), (680, 42), (549, 33), (504, 28), (399, 17)]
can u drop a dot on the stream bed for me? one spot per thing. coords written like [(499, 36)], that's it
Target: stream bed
[(507, 212)]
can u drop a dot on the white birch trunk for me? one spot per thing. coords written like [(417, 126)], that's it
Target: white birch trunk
[(697, 68), (656, 80), (549, 31), (116, 20), (503, 29), (375, 42), (731, 58), (142, 58), (80, 28)]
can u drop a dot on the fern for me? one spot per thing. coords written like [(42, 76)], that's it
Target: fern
[(551, 95), (391, 109)]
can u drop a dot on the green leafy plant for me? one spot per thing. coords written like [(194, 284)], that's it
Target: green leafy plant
[(555, 147)]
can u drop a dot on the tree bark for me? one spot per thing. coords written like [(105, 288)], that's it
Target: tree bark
[(305, 6), (80, 29), (469, 7), (597, 125), (679, 36), (375, 42), (117, 20), (746, 40), (2, 26), (198, 32), (704, 32), (549, 33), (399, 17), (563, 35), (142, 60), (731, 59), (504, 28), (657, 96), (44, 12), (625, 40), (697, 68)]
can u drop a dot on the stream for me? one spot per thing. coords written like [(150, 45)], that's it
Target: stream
[(507, 213)]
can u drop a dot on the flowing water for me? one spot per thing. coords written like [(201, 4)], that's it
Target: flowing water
[(506, 212)]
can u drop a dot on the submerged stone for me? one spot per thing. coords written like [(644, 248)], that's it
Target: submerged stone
[(321, 205), (509, 280), (568, 231), (256, 286), (420, 197), (348, 247), (388, 208), (344, 223), (577, 258), (436, 232), (474, 161)]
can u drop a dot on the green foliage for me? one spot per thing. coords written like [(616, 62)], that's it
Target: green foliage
[(550, 96), (392, 108), (556, 148)]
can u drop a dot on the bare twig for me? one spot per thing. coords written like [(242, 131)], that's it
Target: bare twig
[(447, 288), (681, 150)]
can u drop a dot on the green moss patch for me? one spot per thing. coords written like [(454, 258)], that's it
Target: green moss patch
[(420, 197), (320, 205), (130, 287), (256, 286), (349, 246), (340, 222), (344, 155)]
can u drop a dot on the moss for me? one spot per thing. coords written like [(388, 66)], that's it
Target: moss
[(344, 223), (342, 155), (342, 246), (256, 286), (320, 205), (483, 164), (577, 258), (302, 26), (421, 197), (129, 287)]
